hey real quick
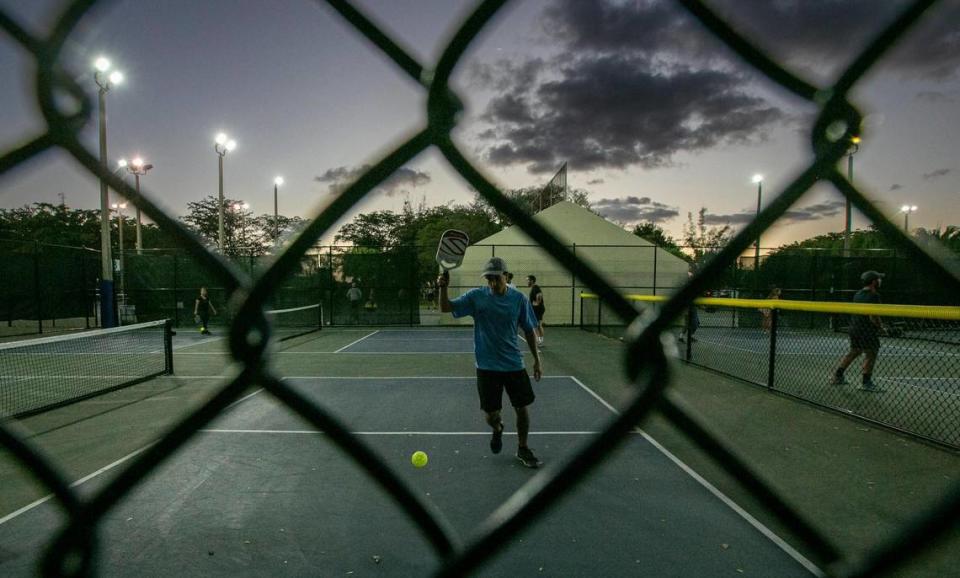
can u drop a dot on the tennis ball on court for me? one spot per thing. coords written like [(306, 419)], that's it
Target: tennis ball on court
[(418, 459)]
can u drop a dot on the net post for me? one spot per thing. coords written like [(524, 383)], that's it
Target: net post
[(771, 363), (168, 346), (690, 332), (573, 292)]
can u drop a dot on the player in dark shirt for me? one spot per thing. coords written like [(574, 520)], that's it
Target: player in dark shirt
[(864, 334), (539, 308), (202, 309)]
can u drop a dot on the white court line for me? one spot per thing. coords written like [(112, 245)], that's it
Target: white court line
[(396, 433), (89, 477), (46, 498), (201, 342), (357, 341), (787, 548)]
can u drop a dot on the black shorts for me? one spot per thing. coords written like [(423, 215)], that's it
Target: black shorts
[(864, 338), (539, 311), (490, 386)]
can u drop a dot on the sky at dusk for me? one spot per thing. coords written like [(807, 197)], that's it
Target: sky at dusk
[(654, 117)]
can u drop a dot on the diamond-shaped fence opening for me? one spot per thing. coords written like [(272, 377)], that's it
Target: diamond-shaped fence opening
[(75, 549)]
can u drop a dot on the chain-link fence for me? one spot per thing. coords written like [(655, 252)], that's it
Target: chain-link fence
[(47, 288), (75, 550), (796, 347)]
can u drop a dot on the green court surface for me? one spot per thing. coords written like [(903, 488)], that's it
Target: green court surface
[(259, 492)]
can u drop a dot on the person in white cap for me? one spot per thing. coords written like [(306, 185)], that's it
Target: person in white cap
[(497, 310)]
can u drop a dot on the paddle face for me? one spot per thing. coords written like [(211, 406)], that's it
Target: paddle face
[(450, 250)]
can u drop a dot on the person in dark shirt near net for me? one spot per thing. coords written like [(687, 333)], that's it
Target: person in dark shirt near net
[(864, 334), (539, 308), (201, 311)]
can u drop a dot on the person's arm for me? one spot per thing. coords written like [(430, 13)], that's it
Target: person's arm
[(212, 308), (531, 338), (196, 306), (444, 297)]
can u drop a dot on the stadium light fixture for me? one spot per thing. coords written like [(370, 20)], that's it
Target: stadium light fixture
[(105, 82), (848, 215), (138, 167), (277, 183), (906, 210), (222, 144)]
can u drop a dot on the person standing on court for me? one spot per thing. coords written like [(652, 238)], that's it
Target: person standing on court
[(539, 308), (864, 334), (201, 311), (497, 310), (355, 296)]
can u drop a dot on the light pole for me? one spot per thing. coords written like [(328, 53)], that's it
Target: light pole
[(906, 210), (138, 169), (105, 82), (222, 144), (854, 147), (758, 179), (123, 286), (276, 216)]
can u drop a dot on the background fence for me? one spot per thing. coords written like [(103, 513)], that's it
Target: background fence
[(794, 347)]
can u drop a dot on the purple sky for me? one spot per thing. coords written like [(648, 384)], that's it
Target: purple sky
[(654, 117)]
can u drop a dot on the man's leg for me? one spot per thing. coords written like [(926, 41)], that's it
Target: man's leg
[(523, 426), (496, 423), (869, 360), (844, 364), (524, 454)]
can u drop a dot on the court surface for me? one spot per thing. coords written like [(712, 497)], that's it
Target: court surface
[(259, 492)]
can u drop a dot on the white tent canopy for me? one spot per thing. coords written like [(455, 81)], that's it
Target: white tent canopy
[(634, 265)]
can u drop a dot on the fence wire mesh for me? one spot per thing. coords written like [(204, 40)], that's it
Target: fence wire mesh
[(74, 551)]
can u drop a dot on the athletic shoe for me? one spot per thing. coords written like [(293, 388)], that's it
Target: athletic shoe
[(527, 458), (869, 385), (496, 442), (838, 379)]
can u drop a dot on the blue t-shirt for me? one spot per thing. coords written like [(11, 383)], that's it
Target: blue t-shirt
[(495, 322)]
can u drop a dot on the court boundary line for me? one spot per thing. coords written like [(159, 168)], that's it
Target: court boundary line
[(357, 341), (726, 500), (110, 466), (759, 526), (396, 433)]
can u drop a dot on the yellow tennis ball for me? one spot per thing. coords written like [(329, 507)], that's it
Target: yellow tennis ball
[(418, 459)]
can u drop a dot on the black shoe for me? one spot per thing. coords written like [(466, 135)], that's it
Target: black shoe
[(869, 385), (496, 442), (527, 458), (838, 379)]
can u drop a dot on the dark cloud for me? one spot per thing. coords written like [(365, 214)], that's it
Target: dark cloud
[(936, 174), (340, 178), (614, 112), (595, 182), (635, 83), (813, 212), (613, 100), (819, 36), (635, 209), (895, 187)]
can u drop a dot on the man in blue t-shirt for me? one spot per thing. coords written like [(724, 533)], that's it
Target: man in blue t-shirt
[(864, 334), (497, 310)]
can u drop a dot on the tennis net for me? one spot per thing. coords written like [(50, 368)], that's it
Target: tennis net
[(40, 374), (295, 321), (796, 347)]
